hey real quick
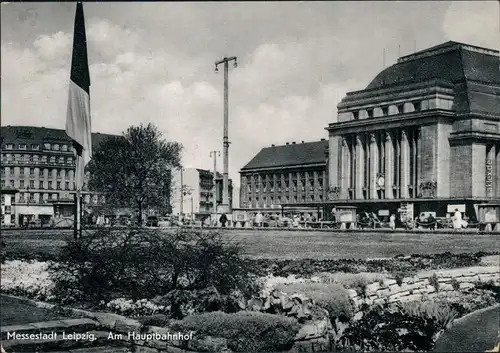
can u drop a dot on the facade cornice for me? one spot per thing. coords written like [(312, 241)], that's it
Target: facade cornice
[(398, 88), (474, 136), (276, 168), (391, 122), (399, 200), (396, 98), (477, 115)]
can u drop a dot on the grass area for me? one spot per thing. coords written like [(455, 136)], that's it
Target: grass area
[(477, 332), (17, 312), (296, 245)]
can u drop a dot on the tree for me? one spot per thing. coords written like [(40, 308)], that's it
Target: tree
[(134, 170)]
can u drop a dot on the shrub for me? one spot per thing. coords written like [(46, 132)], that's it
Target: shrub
[(330, 296), (455, 284), (433, 281), (187, 302), (397, 328), (465, 303), (159, 320), (245, 331), (141, 263)]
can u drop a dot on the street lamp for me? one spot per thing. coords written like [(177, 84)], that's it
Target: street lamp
[(225, 139)]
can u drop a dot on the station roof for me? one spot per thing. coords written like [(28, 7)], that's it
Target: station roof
[(452, 61), (292, 154)]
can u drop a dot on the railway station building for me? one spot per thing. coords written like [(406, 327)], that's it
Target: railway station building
[(423, 136), (293, 175)]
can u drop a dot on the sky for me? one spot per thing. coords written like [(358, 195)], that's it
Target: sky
[(154, 63)]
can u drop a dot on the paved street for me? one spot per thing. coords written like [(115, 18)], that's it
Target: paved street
[(303, 244)]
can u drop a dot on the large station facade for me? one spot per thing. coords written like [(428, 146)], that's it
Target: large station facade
[(424, 134)]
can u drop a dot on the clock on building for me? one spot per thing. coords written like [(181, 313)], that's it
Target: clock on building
[(381, 181)]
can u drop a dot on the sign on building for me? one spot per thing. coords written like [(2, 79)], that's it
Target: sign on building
[(489, 178)]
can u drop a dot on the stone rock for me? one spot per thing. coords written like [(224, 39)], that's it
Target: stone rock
[(300, 298), (488, 277), (430, 289), (383, 293), (208, 344), (468, 279), (444, 279), (395, 289), (389, 282), (127, 325), (445, 287), (142, 349), (490, 269), (314, 329), (352, 293), (466, 285), (372, 288)]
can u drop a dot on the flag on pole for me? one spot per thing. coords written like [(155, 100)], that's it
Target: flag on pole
[(78, 126)]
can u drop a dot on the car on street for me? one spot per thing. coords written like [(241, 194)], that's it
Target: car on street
[(152, 221)]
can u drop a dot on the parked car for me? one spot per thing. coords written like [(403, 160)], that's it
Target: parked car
[(164, 222), (152, 221)]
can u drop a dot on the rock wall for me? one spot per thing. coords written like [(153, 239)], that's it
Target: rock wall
[(313, 336), (425, 284)]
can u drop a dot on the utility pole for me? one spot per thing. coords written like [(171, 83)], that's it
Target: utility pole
[(182, 195), (225, 141), (214, 189)]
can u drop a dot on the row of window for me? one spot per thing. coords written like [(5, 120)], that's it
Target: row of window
[(271, 200), (41, 185), (417, 106), (36, 172), (285, 189), (279, 185), (47, 146), (33, 158), (286, 176), (38, 197)]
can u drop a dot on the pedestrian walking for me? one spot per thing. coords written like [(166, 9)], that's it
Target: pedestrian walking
[(457, 220), (223, 220), (392, 221)]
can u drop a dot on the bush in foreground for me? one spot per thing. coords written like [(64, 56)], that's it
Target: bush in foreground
[(396, 328), (330, 296), (245, 331), (141, 264)]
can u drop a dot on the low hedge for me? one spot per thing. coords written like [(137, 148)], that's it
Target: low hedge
[(400, 265), (245, 331)]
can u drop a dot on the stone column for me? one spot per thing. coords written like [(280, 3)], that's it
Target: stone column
[(389, 168), (254, 192), (360, 168), (345, 172), (405, 164), (275, 187), (373, 166)]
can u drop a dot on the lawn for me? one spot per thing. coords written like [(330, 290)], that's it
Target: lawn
[(477, 332), (17, 312), (293, 244)]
